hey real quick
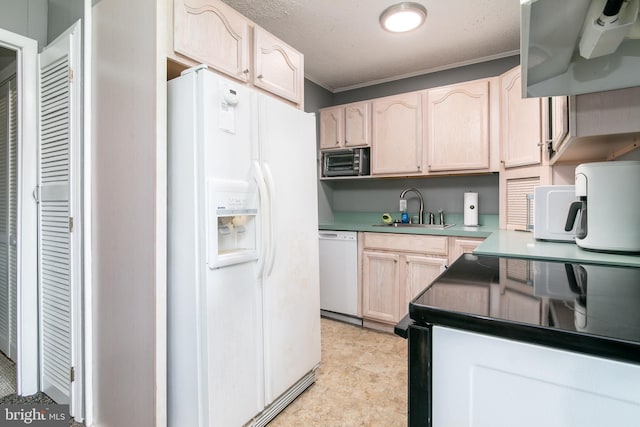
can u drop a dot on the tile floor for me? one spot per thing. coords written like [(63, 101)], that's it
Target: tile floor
[(362, 381), (7, 376)]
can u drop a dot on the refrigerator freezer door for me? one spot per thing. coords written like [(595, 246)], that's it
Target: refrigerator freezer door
[(233, 372), (291, 283), (214, 332)]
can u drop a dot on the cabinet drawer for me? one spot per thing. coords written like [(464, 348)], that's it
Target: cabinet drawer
[(437, 245)]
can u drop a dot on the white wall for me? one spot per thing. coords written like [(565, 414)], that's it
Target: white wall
[(61, 15), (128, 151), (25, 17)]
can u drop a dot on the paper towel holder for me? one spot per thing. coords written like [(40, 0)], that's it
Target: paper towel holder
[(470, 209)]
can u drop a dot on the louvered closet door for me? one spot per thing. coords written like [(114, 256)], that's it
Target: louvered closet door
[(55, 245)]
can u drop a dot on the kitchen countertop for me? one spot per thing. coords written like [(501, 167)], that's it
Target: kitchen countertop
[(591, 309), (364, 221), (522, 244), (506, 243)]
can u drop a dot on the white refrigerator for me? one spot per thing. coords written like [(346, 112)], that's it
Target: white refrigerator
[(243, 279)]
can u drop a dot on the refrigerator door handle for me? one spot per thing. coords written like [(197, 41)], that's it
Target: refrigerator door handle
[(272, 232), (264, 208)]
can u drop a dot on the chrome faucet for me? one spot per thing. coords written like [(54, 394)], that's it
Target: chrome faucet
[(405, 191)]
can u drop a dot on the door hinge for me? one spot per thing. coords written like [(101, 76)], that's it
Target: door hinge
[(70, 224), (70, 74), (72, 374)]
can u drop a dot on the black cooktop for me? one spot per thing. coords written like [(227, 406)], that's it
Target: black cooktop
[(593, 309)]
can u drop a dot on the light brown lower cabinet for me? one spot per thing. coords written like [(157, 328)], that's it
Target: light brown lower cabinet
[(395, 268), (380, 286)]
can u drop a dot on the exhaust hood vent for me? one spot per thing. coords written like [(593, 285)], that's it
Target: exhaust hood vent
[(572, 47)]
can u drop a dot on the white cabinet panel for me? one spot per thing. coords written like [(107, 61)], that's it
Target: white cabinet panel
[(502, 383)]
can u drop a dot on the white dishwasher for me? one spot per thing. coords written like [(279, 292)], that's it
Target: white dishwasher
[(339, 275)]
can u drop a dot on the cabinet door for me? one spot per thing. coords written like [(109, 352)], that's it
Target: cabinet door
[(357, 126), (331, 128), (559, 125), (380, 286), (458, 127), (397, 135), (278, 67), (210, 32), (419, 272), (462, 246), (522, 138)]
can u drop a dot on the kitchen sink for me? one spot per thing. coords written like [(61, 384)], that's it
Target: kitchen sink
[(405, 225)]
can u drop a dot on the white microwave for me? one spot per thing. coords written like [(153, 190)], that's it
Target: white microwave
[(550, 210)]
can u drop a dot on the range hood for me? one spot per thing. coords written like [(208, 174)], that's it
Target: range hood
[(572, 47)]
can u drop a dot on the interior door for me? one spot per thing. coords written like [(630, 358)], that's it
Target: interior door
[(58, 216)]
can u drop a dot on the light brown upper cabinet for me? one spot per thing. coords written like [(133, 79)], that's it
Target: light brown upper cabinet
[(357, 124), (332, 128), (397, 137), (525, 164), (522, 136), (345, 126), (212, 33), (595, 126), (458, 127), (278, 67)]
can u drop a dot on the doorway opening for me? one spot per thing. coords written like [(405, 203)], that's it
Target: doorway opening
[(8, 220)]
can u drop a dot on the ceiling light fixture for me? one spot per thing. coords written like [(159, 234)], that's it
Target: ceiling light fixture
[(403, 17)]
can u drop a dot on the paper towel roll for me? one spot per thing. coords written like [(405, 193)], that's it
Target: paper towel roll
[(471, 209)]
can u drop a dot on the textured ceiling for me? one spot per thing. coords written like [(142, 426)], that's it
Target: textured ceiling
[(345, 48)]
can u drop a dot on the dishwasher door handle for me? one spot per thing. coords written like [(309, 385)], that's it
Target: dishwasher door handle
[(328, 236)]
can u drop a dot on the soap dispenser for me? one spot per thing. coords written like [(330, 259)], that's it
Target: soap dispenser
[(404, 216)]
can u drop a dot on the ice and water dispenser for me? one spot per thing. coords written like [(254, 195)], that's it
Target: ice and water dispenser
[(232, 212)]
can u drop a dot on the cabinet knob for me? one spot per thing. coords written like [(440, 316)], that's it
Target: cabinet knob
[(337, 142), (245, 71), (261, 76)]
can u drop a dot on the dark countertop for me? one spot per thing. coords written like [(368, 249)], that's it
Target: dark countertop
[(586, 308)]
